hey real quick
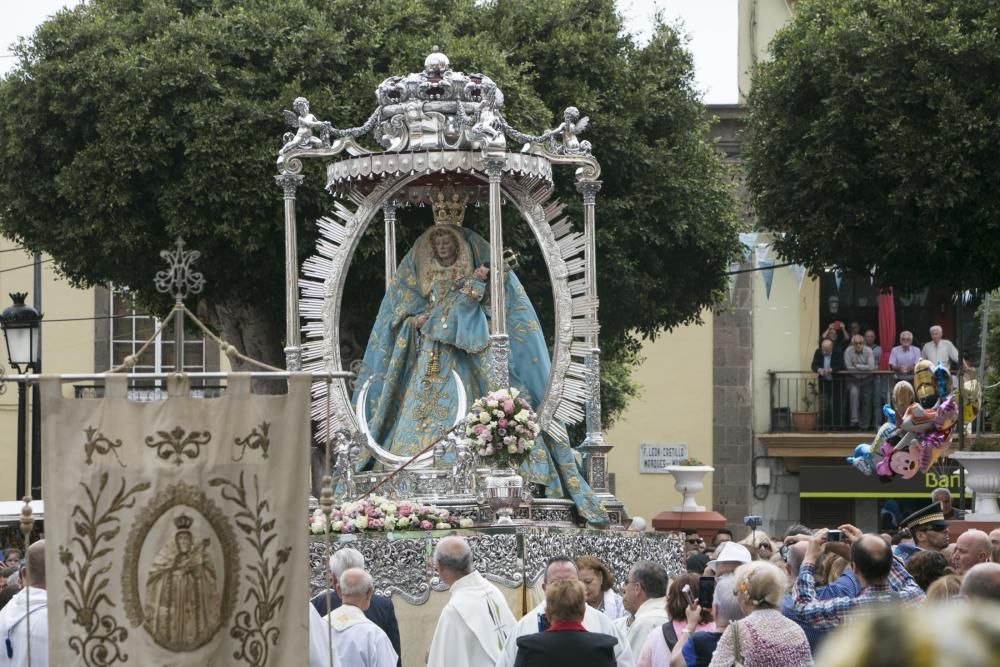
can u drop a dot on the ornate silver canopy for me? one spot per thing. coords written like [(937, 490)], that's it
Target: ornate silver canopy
[(440, 127)]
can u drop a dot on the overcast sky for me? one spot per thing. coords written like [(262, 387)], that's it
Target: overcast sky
[(711, 25)]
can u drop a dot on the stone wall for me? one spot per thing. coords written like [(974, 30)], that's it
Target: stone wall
[(732, 404)]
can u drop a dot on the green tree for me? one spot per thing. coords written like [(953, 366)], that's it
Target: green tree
[(130, 122), (873, 132)]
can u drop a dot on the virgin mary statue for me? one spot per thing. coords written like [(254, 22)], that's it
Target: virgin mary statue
[(434, 319)]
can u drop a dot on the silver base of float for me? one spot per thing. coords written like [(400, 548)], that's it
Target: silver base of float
[(509, 556)]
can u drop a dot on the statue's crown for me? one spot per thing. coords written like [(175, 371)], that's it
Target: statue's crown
[(448, 205), (183, 522)]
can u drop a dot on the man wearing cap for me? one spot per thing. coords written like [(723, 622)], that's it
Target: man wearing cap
[(929, 531), (729, 557), (882, 576)]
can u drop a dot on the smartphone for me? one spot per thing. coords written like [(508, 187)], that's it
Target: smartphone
[(706, 592), (753, 521), (687, 593), (834, 536)]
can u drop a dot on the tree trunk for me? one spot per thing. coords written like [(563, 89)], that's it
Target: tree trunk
[(254, 332)]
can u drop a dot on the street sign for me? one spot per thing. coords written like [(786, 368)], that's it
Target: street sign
[(654, 457)]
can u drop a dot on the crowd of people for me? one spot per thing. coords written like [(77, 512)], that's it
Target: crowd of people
[(814, 596), (772, 602), (851, 393)]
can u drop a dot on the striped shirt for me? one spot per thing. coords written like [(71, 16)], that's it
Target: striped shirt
[(833, 612)]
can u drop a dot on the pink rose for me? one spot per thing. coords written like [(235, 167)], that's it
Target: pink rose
[(405, 509), (502, 423), (508, 407), (426, 525)]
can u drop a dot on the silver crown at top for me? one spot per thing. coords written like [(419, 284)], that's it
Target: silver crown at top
[(436, 109)]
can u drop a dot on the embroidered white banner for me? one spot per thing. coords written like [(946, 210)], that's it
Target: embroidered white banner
[(175, 529)]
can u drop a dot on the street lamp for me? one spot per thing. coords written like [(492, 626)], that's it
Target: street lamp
[(22, 330)]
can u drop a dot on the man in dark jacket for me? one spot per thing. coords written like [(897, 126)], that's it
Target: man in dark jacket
[(828, 359), (566, 641), (380, 611)]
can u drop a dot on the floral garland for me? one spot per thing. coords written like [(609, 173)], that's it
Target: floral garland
[(501, 428), (380, 514)]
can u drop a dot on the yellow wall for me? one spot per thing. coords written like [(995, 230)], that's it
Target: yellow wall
[(785, 331), (759, 20), (67, 347), (675, 406)]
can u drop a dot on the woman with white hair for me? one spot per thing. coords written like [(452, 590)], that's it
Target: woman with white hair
[(695, 649), (765, 637)]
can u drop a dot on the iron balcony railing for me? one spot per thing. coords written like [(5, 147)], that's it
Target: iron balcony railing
[(848, 401)]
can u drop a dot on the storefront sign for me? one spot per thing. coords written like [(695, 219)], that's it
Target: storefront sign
[(843, 481), (655, 457)]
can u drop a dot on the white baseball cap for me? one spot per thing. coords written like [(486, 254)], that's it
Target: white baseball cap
[(730, 552)]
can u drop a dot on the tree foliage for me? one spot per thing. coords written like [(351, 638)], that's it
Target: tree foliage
[(874, 129), (130, 122)]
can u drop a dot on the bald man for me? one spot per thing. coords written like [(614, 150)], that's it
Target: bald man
[(356, 639), (972, 548), (995, 537), (982, 582), (476, 622)]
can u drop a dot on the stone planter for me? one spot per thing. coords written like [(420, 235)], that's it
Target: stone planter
[(982, 475), (689, 480)]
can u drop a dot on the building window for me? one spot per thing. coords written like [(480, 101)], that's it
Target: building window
[(131, 328)]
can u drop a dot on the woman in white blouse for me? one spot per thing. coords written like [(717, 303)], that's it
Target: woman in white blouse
[(599, 581)]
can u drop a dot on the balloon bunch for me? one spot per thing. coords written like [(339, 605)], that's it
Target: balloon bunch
[(918, 427)]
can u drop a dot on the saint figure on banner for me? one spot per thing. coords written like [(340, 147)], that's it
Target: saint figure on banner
[(182, 597), (434, 319)]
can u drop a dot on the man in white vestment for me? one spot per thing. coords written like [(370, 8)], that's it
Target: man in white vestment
[(320, 636), (357, 641), (476, 622), (561, 568), (645, 599), (28, 608)]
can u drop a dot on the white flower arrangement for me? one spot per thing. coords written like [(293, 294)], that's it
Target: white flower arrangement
[(501, 428), (379, 514)]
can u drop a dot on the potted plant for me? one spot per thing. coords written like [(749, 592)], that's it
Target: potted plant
[(689, 477), (982, 475), (805, 420)]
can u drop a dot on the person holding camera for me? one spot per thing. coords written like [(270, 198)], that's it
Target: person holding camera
[(882, 577)]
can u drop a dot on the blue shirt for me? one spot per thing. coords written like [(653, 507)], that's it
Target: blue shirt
[(845, 586)]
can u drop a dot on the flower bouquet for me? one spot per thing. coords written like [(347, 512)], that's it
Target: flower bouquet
[(501, 428), (380, 514)]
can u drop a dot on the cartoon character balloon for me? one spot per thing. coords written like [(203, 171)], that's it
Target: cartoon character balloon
[(862, 459)]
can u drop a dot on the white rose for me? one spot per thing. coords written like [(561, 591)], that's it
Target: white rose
[(484, 418), (521, 417), (361, 523), (491, 404), (336, 526)]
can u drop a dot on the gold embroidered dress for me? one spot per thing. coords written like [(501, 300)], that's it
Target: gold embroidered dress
[(413, 399)]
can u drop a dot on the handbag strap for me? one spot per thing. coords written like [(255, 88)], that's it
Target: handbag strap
[(669, 634), (737, 653)]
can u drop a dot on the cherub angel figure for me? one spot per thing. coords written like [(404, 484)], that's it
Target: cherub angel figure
[(307, 128), (572, 126), (486, 125)]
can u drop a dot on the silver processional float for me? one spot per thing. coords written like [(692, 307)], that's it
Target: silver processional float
[(445, 142)]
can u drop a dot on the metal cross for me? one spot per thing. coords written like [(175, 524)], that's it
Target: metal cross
[(178, 279)]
